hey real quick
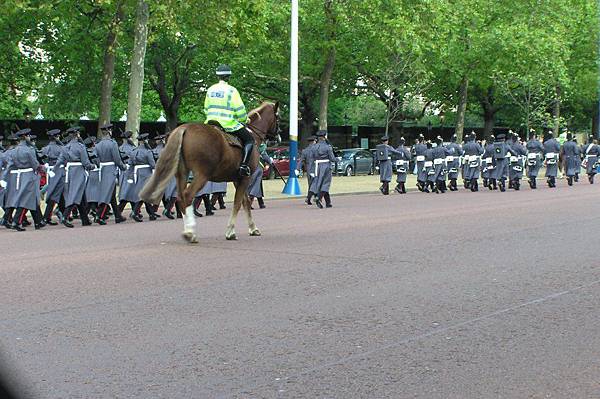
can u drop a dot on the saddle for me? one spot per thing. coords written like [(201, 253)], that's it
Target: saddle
[(232, 140)]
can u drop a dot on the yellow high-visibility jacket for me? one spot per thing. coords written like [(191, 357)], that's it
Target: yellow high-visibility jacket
[(224, 105)]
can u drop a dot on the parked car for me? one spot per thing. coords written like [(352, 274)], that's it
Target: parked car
[(281, 159), (353, 161)]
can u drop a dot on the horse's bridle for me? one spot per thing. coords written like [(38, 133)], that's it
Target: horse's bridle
[(264, 133)]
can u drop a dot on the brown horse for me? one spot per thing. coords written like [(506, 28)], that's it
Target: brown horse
[(204, 150)]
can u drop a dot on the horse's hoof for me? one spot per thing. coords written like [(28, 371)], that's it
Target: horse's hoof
[(254, 233), (190, 237), (231, 237)]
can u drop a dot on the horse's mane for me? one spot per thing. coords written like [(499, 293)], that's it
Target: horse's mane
[(259, 110)]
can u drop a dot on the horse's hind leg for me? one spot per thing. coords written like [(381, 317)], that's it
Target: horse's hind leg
[(240, 196), (252, 229), (189, 221)]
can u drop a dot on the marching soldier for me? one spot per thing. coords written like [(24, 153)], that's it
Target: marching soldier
[(402, 167), (76, 162), (501, 160), (551, 154), (92, 188), (473, 152), (224, 104), (420, 148), (438, 177), (591, 153), (535, 150), (141, 164), (109, 164), (487, 164), (55, 174), (255, 189), (454, 151), (428, 168), (203, 196), (20, 176), (518, 154), (125, 188), (7, 219), (218, 192), (384, 151), (323, 156), (3, 162), (571, 153), (307, 159)]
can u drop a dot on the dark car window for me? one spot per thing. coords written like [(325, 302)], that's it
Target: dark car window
[(347, 154)]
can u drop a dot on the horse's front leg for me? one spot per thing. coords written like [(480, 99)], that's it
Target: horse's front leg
[(237, 203)]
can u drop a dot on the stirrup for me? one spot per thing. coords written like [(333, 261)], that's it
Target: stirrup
[(244, 170)]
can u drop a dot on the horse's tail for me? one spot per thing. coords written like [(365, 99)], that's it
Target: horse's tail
[(165, 168)]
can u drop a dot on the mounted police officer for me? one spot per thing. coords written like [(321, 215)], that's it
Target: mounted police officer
[(535, 151), (55, 174), (517, 159), (454, 152), (109, 164), (472, 155), (419, 154), (20, 176), (571, 154), (76, 162), (384, 153), (591, 154), (551, 154), (402, 167), (323, 157), (223, 104), (306, 159)]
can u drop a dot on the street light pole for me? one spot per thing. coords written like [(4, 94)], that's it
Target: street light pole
[(293, 186)]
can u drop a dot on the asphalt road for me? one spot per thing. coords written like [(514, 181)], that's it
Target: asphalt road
[(461, 295)]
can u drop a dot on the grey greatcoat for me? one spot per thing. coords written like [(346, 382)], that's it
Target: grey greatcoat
[(21, 178), (453, 153), (323, 156), (125, 151), (171, 190), (92, 188), (255, 188), (384, 159), (487, 162), (535, 152), (76, 162), (591, 153), (109, 164), (219, 187), (473, 152), (141, 163), (551, 152), (307, 160), (571, 153), (438, 156), (516, 165), (3, 162), (420, 150), (402, 164), (55, 174), (501, 159)]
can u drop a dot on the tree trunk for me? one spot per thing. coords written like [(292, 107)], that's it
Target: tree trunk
[(489, 120), (172, 116), (136, 79), (306, 94), (324, 89), (556, 112), (595, 125), (462, 108), (108, 68)]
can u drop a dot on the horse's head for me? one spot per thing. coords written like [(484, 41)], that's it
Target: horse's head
[(264, 121)]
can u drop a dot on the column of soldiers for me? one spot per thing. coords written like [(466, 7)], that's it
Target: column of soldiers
[(501, 162), (85, 179)]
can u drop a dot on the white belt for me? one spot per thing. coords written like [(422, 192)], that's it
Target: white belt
[(401, 162), (103, 164), (488, 161), (69, 164), (18, 173), (449, 158), (428, 164), (420, 158), (317, 162), (532, 155), (514, 159), (135, 171), (550, 155), (473, 158), (591, 156), (438, 161)]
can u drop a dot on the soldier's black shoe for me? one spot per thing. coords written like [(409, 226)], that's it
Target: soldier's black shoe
[(66, 223), (38, 226), (152, 217), (168, 214), (308, 201), (517, 185), (26, 223), (502, 186), (319, 204), (86, 223), (197, 214), (120, 219), (17, 227), (101, 222), (570, 180), (531, 184), (50, 222), (576, 178), (328, 206), (398, 189), (137, 217), (591, 179), (209, 212)]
